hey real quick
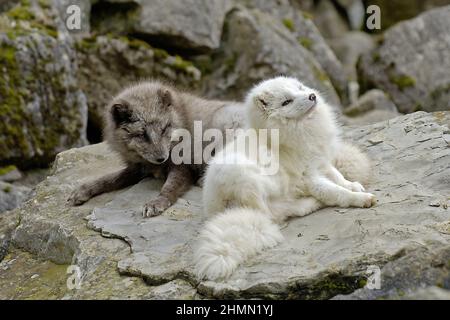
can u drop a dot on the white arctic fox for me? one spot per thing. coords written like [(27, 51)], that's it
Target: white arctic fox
[(313, 161)]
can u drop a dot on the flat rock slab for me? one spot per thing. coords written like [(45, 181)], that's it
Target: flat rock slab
[(324, 253), (122, 255)]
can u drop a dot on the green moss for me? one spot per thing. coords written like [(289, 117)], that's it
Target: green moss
[(160, 54), (231, 61), (307, 15), (86, 44), (288, 23), (329, 287), (26, 21), (403, 82), (44, 4), (20, 12), (437, 93), (181, 64), (418, 107), (7, 169), (305, 42), (376, 57), (18, 125), (204, 64)]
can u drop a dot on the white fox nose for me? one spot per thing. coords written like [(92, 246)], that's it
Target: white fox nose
[(312, 97)]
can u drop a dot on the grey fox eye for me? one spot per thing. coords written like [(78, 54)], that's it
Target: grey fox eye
[(284, 104), (146, 136)]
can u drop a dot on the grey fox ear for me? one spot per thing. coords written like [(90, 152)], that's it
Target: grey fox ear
[(121, 113), (165, 96)]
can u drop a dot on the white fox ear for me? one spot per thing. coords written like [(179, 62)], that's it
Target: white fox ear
[(262, 101)]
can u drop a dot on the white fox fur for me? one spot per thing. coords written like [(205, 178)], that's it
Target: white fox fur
[(313, 161)]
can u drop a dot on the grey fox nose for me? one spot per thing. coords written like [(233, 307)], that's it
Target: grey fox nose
[(312, 97), (160, 160)]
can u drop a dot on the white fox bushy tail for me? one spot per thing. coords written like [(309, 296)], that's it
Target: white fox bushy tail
[(353, 163), (230, 238)]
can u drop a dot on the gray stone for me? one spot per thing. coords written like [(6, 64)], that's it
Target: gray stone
[(330, 23), (374, 106), (413, 275), (198, 24), (412, 62), (430, 293), (10, 174), (411, 157), (271, 49), (355, 11), (11, 196), (349, 49)]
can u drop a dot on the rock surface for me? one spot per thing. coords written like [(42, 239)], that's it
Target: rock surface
[(325, 254), (412, 63)]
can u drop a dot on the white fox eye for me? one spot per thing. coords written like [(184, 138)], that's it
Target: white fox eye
[(287, 102)]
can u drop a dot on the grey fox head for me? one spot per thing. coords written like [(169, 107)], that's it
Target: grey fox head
[(142, 119)]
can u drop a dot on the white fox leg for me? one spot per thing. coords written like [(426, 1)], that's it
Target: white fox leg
[(286, 208), (332, 194), (340, 180)]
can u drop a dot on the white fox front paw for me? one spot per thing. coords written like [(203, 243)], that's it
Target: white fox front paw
[(364, 200)]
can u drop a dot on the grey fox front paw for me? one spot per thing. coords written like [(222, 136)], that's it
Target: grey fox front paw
[(156, 207), (78, 197)]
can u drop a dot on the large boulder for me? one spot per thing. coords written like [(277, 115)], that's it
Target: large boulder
[(271, 49), (198, 24), (42, 109), (324, 254), (301, 26), (412, 63)]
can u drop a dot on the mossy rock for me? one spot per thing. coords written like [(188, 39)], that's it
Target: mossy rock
[(42, 109)]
